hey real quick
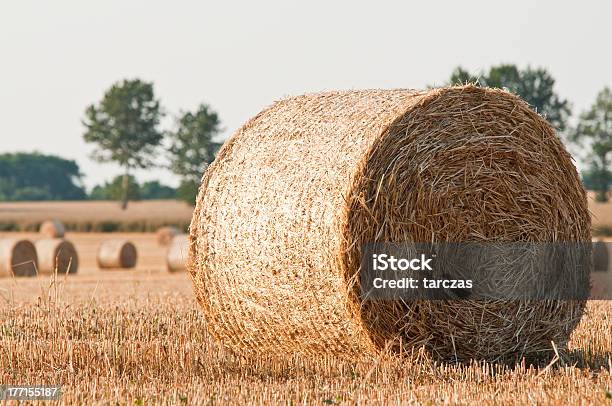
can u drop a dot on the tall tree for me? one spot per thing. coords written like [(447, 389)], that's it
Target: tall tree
[(535, 86), (124, 125), (192, 148), (595, 129)]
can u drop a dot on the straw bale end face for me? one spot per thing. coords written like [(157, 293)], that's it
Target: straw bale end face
[(284, 213), (57, 255), (17, 258), (117, 253)]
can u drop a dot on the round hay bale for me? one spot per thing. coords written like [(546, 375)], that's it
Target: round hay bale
[(165, 235), (56, 253), (284, 212), (17, 257), (117, 253), (52, 229), (178, 253), (601, 257), (601, 278)]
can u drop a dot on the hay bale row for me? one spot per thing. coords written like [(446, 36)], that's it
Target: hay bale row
[(178, 253), (17, 258), (117, 253), (56, 255), (293, 196)]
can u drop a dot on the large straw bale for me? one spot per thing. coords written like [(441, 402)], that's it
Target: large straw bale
[(117, 253), (17, 257), (56, 254), (294, 195), (52, 229)]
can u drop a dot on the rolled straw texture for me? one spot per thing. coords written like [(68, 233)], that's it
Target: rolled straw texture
[(56, 253), (117, 253), (178, 253), (17, 258), (293, 196)]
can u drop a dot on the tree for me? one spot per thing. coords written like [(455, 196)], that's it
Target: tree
[(124, 125), (593, 177), (187, 190), (155, 190), (535, 86), (595, 128), (460, 76), (114, 190), (34, 176), (192, 148)]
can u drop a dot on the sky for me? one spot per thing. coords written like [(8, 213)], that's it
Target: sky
[(58, 57)]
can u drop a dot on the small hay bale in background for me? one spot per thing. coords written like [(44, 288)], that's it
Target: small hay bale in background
[(178, 253), (601, 278), (56, 253), (17, 257), (117, 253), (601, 256), (52, 229), (294, 195), (165, 235)]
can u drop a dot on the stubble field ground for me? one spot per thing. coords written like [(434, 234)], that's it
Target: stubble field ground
[(138, 337)]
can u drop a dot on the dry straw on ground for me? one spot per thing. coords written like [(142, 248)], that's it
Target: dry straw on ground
[(139, 339), (117, 253), (178, 253), (56, 255), (52, 229), (17, 258), (283, 213), (165, 235)]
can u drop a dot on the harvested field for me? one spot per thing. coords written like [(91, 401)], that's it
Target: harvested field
[(105, 216), (151, 257), (139, 338)]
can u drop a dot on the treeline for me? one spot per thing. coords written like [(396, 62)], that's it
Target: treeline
[(37, 177), (124, 127)]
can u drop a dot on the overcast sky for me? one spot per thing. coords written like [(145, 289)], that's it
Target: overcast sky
[(56, 57)]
